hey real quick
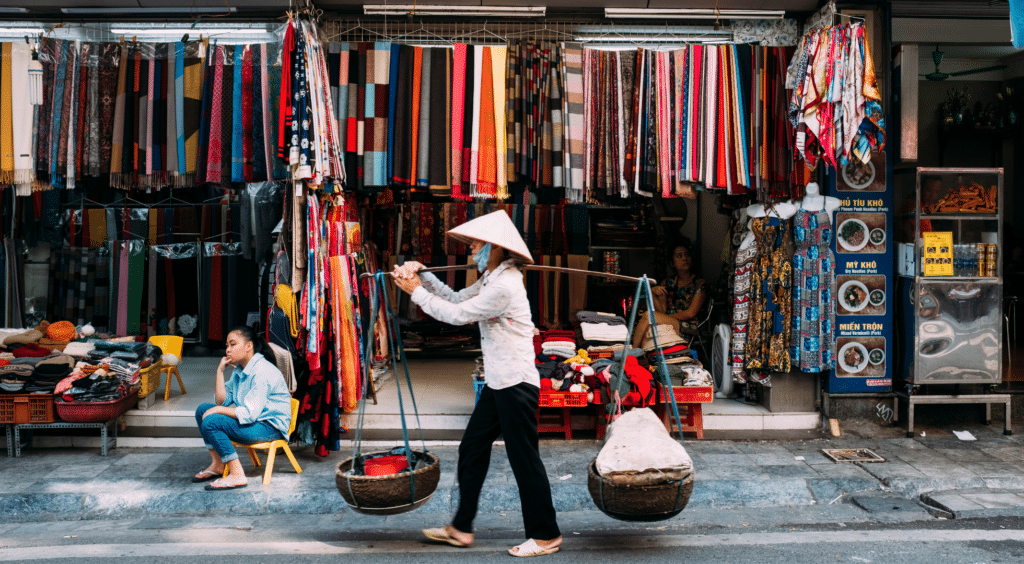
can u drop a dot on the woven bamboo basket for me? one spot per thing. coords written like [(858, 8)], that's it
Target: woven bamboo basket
[(387, 495), (641, 497), (149, 378)]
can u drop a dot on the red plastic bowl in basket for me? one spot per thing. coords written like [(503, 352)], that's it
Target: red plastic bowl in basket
[(385, 465), (95, 411)]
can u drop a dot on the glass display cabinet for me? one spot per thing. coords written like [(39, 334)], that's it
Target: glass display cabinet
[(950, 286)]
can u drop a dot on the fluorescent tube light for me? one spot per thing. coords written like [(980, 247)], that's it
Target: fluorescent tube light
[(444, 10), (21, 30), (149, 11), (693, 13), (13, 10), (179, 30)]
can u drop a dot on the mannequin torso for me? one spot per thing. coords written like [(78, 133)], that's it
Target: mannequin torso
[(781, 210), (814, 201)]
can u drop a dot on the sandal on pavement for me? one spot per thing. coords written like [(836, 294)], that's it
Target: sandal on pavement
[(531, 548), (205, 476), (441, 535), (218, 485)]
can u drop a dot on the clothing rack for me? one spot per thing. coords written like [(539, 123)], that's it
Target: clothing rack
[(826, 17)]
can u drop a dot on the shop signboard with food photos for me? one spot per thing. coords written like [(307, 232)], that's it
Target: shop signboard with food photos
[(864, 265)]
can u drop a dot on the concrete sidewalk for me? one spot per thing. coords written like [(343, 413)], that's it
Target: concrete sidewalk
[(941, 473)]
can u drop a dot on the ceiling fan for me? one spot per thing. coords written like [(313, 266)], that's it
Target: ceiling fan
[(939, 75)]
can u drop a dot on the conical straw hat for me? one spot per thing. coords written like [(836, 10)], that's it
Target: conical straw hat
[(497, 229)]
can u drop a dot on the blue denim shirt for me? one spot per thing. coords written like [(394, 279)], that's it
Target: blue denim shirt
[(258, 393)]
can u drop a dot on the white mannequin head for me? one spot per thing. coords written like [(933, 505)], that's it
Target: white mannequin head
[(812, 189)]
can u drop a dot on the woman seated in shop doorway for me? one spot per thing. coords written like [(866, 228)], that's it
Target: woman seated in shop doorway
[(252, 406), (678, 300)]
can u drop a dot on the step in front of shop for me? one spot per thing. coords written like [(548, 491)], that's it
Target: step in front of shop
[(177, 429)]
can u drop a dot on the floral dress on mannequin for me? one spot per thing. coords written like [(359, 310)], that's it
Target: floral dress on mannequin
[(771, 294), (813, 327)]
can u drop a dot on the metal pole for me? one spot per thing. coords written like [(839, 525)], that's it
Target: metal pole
[(559, 269)]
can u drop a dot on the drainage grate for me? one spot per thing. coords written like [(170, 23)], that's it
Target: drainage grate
[(851, 455)]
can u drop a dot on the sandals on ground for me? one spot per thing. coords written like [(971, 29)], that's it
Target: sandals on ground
[(531, 548), (441, 535)]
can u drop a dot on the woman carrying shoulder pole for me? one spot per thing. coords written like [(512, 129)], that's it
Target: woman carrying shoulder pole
[(508, 403)]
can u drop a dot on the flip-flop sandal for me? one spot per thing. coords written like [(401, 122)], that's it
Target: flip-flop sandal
[(205, 476), (213, 487), (531, 548), (441, 535)]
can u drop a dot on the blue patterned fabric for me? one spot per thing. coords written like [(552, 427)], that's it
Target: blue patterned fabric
[(237, 158), (813, 322)]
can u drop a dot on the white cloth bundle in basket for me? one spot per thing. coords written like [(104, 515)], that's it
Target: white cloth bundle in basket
[(637, 442)]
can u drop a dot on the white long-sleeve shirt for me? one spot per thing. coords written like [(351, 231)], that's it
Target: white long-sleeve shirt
[(498, 302)]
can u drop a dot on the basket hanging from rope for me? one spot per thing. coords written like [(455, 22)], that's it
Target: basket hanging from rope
[(652, 495), (411, 487)]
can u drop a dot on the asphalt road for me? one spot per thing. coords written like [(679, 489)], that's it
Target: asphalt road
[(842, 533)]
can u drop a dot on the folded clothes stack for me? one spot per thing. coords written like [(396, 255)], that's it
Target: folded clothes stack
[(604, 333), (693, 374), (98, 386), (558, 343), (31, 350)]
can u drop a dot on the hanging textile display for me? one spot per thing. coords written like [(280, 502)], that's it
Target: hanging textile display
[(16, 131), (232, 136), (421, 136), (223, 272), (835, 107), (308, 131), (12, 264), (534, 113), (574, 124), (127, 282), (173, 288), (141, 113)]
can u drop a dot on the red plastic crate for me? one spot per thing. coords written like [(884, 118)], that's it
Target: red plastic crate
[(95, 411), (385, 465), (563, 399), (26, 408)]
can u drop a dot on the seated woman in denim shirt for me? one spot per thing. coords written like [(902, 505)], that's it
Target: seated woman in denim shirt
[(252, 406)]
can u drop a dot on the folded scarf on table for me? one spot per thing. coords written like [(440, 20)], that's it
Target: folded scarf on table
[(604, 332), (16, 371), (78, 349), (598, 317), (23, 338), (31, 350), (57, 359)]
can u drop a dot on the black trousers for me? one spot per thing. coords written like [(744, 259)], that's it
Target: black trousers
[(511, 413)]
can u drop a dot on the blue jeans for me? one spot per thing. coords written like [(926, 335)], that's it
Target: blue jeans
[(219, 430)]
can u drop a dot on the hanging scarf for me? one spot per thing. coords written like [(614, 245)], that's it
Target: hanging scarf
[(6, 116), (403, 117), (439, 136), (192, 74), (487, 179), (238, 108), (21, 112), (421, 170), (574, 124), (458, 100)]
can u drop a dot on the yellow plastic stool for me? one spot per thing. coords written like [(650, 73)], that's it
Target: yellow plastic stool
[(271, 448), (170, 344)]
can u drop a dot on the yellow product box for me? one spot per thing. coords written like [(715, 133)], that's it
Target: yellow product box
[(937, 254)]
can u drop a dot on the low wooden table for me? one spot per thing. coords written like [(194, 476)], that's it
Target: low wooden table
[(688, 400)]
